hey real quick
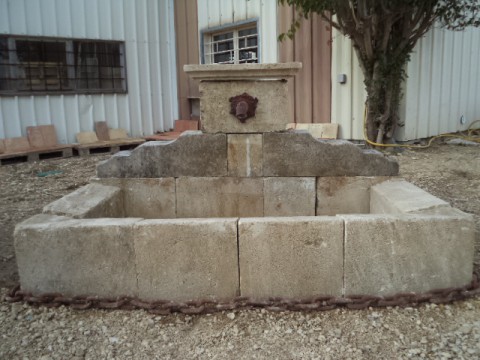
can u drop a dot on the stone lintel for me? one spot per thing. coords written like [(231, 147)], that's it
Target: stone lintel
[(222, 72)]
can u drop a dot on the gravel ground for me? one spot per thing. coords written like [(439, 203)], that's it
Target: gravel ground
[(432, 332)]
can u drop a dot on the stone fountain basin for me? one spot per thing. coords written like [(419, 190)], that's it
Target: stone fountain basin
[(220, 237)]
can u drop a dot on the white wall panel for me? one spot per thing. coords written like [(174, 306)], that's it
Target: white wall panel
[(147, 28), (214, 13), (443, 84), (347, 99)]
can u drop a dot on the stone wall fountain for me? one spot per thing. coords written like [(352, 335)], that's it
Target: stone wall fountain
[(244, 207)]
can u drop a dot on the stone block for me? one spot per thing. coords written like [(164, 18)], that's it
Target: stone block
[(117, 134), (245, 155), (86, 137), (320, 131), (192, 154), (76, 257), (291, 257), (17, 144), (402, 197), (222, 72), (219, 197), (271, 113), (145, 198), (187, 259), (345, 194), (101, 129), (297, 153), (386, 254), (90, 201), (291, 196)]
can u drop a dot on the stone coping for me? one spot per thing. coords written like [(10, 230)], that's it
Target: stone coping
[(222, 72)]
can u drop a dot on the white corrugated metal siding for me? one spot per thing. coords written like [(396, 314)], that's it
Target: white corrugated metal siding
[(147, 28), (347, 99), (443, 84), (213, 13)]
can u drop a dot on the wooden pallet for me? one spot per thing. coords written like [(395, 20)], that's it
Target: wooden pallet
[(106, 147), (35, 155)]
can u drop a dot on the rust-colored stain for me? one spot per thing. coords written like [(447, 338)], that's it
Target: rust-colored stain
[(243, 106)]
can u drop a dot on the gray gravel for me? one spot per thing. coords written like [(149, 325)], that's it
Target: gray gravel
[(428, 332)]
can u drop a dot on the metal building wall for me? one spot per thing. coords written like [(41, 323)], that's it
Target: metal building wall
[(146, 26), (213, 13), (443, 84), (347, 99)]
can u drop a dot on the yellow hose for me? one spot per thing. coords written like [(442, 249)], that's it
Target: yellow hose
[(468, 137)]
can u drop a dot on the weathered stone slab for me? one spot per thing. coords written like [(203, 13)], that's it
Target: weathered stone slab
[(146, 198), (76, 257), (192, 154), (272, 108), (401, 197), (187, 259), (290, 196), (297, 153), (90, 201), (245, 155), (219, 197), (387, 254), (222, 72), (345, 194), (291, 257)]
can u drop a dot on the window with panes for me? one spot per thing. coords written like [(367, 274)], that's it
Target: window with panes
[(238, 45)]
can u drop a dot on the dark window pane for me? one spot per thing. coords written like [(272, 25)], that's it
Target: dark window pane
[(38, 64)]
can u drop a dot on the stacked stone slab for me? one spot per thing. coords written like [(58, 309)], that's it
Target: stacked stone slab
[(245, 208)]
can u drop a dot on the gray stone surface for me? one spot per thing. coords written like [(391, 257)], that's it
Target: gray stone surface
[(90, 201), (345, 194), (272, 109), (245, 157), (145, 198), (222, 72), (290, 196), (76, 257), (219, 197), (192, 154), (187, 259), (386, 254), (291, 257), (401, 197), (297, 153)]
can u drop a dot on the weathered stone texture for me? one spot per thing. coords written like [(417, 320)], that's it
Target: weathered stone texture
[(292, 196), (222, 72), (297, 153), (145, 198), (187, 259), (345, 194), (192, 154), (219, 197), (90, 201), (291, 257), (401, 197), (386, 254), (245, 157), (76, 257), (272, 108)]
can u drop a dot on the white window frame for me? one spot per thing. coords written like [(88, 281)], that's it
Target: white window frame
[(207, 42)]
